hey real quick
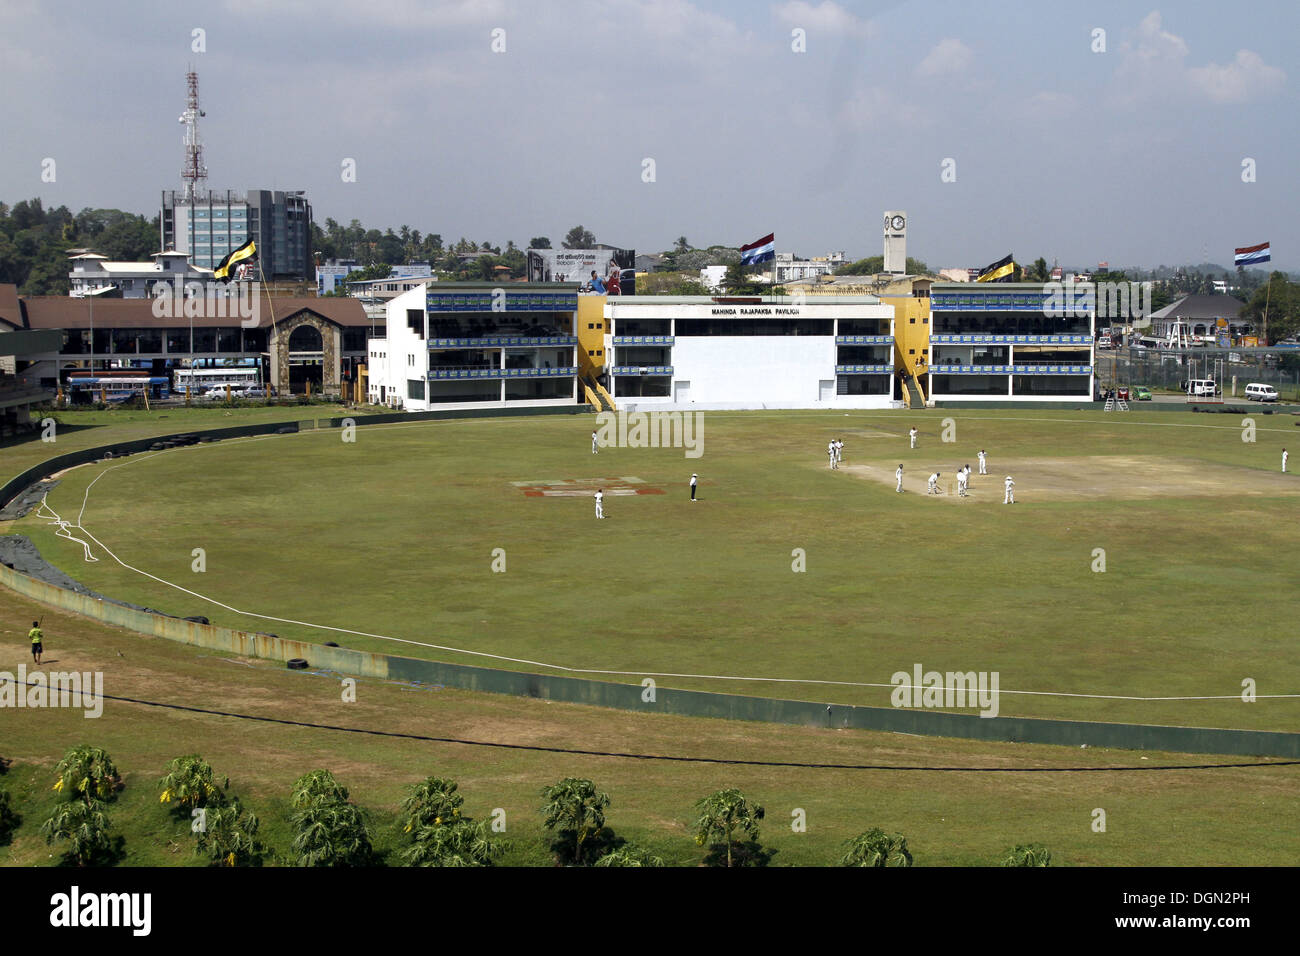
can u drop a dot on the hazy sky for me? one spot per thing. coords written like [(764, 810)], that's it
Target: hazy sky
[(1132, 155)]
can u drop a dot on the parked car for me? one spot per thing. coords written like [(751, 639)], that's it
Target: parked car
[(1141, 393), (1201, 386), (1258, 392)]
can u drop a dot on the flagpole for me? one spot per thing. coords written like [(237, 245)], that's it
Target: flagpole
[(269, 342), (1268, 291)]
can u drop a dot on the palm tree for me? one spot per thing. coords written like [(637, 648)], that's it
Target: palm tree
[(629, 854), (229, 836), (331, 834), (317, 786), (87, 772), (455, 843), (433, 801), (877, 848), (724, 813), (575, 810), (1028, 854), (189, 783)]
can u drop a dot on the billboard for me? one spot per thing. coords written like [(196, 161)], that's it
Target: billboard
[(615, 267)]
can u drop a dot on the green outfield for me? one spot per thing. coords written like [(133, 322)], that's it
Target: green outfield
[(396, 534)]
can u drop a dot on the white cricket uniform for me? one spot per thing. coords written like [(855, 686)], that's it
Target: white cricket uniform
[(932, 486), (912, 435), (830, 450), (593, 443), (961, 482), (1010, 497), (600, 504), (1284, 457), (898, 474), (839, 452), (983, 465)]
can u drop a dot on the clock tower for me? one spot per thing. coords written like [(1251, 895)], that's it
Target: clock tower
[(896, 242)]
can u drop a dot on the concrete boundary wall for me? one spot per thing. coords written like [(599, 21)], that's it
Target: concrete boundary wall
[(1199, 740)]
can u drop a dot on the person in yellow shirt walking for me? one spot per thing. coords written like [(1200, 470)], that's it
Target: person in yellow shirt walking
[(36, 637)]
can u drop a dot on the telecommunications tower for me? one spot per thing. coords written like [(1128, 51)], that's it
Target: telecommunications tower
[(193, 173)]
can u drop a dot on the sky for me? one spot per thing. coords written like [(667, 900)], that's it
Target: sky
[(1080, 132)]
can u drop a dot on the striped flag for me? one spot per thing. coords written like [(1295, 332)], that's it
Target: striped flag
[(233, 258), (760, 250), (1003, 270), (1251, 255)]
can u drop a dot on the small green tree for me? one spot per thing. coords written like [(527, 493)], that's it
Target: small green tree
[(331, 834), (84, 825), (1028, 854), (457, 842), (317, 786), (432, 802), (876, 848), (723, 814), (629, 854), (87, 773), (188, 784), (575, 811), (228, 836)]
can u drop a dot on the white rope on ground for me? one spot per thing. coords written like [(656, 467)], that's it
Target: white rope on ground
[(63, 527), (560, 667)]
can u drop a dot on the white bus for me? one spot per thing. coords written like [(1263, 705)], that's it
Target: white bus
[(206, 379)]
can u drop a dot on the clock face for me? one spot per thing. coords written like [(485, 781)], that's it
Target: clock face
[(898, 222)]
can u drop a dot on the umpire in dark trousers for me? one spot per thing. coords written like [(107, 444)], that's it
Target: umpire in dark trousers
[(694, 481)]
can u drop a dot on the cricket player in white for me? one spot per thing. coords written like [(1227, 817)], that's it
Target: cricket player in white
[(932, 487), (593, 443), (961, 482), (1010, 497), (830, 450), (984, 470), (1284, 457), (899, 475), (839, 451), (600, 503), (695, 480), (912, 435)]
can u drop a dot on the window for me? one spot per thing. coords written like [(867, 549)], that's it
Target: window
[(911, 321)]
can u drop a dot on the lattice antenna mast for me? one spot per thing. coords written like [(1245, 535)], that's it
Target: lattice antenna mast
[(193, 172)]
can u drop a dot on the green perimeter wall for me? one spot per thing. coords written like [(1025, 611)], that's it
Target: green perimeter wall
[(604, 693)]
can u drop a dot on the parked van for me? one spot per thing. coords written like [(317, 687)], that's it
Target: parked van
[(1257, 392), (1202, 386)]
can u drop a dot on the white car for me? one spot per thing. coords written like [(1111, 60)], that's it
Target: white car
[(1258, 392)]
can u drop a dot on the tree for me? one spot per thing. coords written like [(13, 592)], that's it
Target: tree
[(87, 773), (682, 245), (317, 786), (876, 848), (84, 825), (723, 814), (432, 801), (458, 842), (331, 833), (1028, 854), (575, 811), (1282, 298), (863, 267), (629, 854), (188, 784), (539, 242), (1038, 272), (737, 282), (229, 836), (579, 238)]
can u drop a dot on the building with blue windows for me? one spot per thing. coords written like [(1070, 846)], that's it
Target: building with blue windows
[(475, 344), (1008, 342), (213, 223)]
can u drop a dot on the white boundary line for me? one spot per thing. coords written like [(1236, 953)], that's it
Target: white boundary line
[(64, 525)]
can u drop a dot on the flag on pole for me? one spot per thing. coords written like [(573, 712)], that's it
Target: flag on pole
[(1001, 271), (233, 258), (760, 250), (1251, 255)]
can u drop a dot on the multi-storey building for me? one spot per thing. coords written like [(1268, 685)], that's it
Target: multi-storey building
[(215, 222)]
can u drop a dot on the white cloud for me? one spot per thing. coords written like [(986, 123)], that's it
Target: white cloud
[(1153, 65), (947, 56), (1243, 79), (825, 18)]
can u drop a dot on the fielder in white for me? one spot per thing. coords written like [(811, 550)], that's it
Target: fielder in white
[(1010, 497), (839, 451), (1284, 457), (830, 451), (961, 482), (932, 486), (984, 470), (593, 443), (600, 503), (899, 476), (912, 435)]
